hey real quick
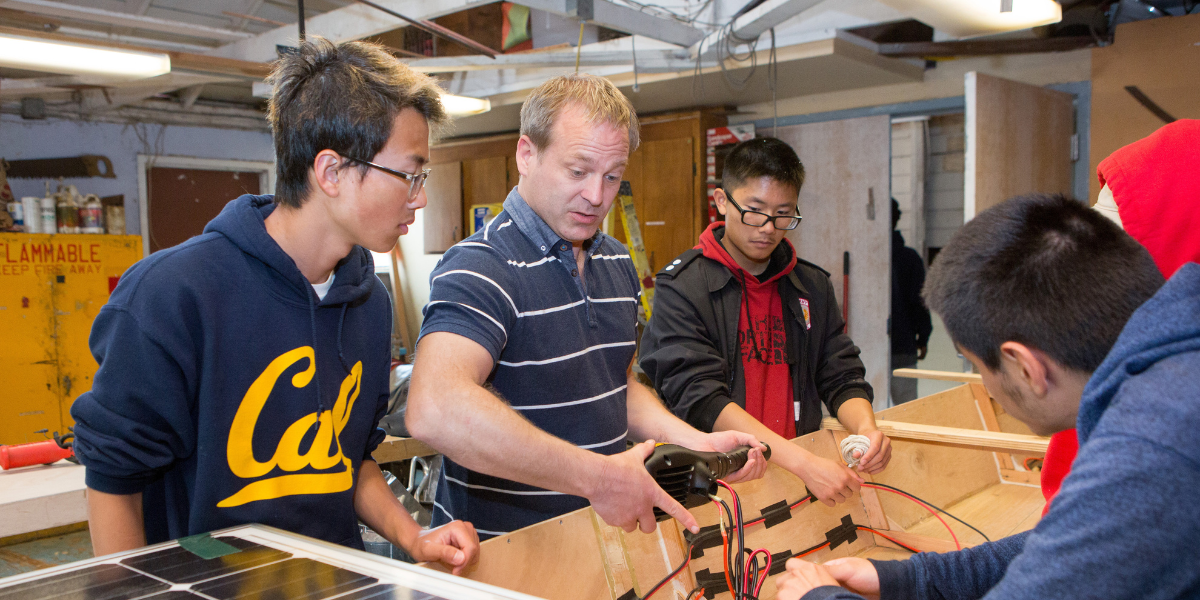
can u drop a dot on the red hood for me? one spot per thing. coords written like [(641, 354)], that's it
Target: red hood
[(713, 249), (1156, 186)]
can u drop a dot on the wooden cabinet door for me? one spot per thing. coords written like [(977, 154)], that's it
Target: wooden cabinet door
[(1018, 141), (443, 215), (484, 181), (661, 176)]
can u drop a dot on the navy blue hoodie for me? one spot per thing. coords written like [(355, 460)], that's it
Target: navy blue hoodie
[(1125, 524), (228, 393)]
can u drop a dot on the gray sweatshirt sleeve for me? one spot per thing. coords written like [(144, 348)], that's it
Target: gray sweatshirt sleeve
[(964, 575)]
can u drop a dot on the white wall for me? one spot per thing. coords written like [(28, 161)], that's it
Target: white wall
[(55, 138)]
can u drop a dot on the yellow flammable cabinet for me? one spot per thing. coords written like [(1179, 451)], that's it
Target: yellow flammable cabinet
[(51, 289)]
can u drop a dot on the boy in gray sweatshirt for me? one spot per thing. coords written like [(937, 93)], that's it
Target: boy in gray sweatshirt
[(1034, 292)]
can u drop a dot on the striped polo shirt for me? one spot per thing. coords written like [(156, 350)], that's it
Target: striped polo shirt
[(561, 345)]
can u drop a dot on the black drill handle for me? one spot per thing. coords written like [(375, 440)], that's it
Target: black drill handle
[(725, 463)]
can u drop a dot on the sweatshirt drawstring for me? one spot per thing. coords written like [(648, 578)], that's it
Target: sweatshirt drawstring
[(312, 320), (341, 321)]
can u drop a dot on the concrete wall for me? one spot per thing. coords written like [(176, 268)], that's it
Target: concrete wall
[(54, 138)]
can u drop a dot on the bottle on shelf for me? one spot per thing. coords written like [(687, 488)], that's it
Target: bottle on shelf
[(91, 215), (68, 209)]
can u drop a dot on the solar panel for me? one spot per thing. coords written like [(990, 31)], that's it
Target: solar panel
[(252, 563)]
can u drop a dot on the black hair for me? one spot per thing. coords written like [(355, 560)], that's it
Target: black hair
[(762, 157), (342, 97), (896, 212), (1044, 271)]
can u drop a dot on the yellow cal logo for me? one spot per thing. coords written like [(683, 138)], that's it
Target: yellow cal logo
[(287, 457)]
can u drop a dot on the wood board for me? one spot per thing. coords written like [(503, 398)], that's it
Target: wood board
[(1018, 141)]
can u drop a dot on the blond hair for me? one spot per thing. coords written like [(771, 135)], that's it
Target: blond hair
[(600, 100)]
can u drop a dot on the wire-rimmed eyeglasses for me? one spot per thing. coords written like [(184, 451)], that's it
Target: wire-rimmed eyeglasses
[(754, 218), (415, 180)]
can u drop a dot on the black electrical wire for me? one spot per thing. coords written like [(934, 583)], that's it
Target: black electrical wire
[(931, 505), (728, 548)]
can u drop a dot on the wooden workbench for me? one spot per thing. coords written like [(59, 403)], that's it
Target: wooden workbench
[(37, 498), (393, 449)]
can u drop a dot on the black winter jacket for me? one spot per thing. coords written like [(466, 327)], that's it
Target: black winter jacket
[(690, 347)]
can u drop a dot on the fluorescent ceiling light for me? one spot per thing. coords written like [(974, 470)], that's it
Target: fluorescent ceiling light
[(67, 58), (461, 106), (969, 18), (456, 106)]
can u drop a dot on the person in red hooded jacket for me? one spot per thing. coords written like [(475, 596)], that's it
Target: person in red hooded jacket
[(1151, 188), (746, 336)]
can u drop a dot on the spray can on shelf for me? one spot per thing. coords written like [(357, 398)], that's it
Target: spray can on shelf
[(91, 215), (33, 214), (49, 215)]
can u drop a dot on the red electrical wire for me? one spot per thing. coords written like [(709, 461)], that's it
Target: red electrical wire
[(889, 538), (803, 554), (764, 570), (923, 505)]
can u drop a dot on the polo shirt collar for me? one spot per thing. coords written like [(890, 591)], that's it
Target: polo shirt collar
[(535, 228)]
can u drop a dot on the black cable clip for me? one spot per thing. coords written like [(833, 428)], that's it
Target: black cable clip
[(846, 532), (776, 513), (713, 583)]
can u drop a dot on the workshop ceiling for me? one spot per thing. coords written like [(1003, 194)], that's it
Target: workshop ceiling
[(220, 48)]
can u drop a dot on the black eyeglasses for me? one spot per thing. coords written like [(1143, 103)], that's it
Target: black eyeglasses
[(754, 218), (416, 181)]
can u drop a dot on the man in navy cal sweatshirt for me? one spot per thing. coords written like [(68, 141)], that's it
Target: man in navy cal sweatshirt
[(243, 372), (1032, 291)]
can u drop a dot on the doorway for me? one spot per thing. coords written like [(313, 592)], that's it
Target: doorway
[(180, 195)]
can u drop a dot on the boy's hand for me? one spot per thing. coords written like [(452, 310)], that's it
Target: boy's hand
[(855, 574), (832, 483), (801, 578), (454, 544), (728, 441), (878, 455)]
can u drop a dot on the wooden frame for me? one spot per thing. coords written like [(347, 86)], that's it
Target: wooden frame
[(579, 556)]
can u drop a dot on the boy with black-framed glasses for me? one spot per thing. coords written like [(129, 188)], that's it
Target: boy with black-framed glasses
[(746, 336)]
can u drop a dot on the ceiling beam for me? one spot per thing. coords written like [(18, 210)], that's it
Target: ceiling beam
[(649, 61), (756, 22), (353, 22), (111, 98), (622, 18), (985, 47), (96, 15)]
